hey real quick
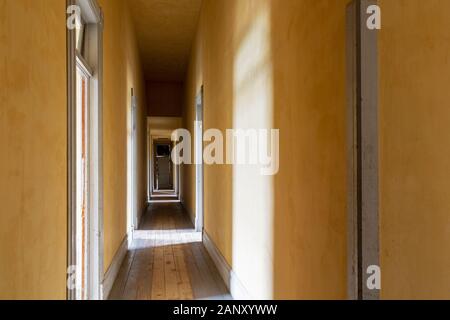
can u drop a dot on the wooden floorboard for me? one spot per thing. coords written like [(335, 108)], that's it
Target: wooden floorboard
[(167, 260)]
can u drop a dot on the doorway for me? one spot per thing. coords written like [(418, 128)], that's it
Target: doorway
[(164, 175), (163, 166)]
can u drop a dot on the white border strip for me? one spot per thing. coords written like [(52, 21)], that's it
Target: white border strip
[(237, 289)]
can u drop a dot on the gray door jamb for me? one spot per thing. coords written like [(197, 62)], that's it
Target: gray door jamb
[(362, 150)]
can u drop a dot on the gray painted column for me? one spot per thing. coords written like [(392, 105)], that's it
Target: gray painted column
[(362, 150)]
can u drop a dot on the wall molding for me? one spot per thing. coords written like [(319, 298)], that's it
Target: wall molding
[(113, 270), (234, 285)]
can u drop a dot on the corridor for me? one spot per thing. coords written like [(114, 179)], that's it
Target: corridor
[(224, 149), (167, 260)]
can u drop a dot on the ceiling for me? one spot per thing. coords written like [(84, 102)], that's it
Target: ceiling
[(165, 30)]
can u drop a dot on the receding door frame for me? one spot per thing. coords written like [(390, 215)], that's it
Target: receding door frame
[(161, 127), (199, 177), (362, 151), (93, 16), (154, 135), (132, 210), (172, 166)]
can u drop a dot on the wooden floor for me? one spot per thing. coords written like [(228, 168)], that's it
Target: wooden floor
[(167, 261)]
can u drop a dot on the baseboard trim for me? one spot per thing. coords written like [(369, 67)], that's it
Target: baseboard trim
[(113, 270), (234, 285)]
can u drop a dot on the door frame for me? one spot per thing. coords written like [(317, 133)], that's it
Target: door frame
[(132, 210), (362, 151), (199, 170), (172, 168), (161, 127), (93, 16), (154, 135)]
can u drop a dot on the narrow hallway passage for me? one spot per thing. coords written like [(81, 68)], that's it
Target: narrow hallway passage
[(167, 260), (224, 149)]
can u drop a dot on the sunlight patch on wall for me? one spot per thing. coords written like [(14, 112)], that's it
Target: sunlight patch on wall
[(253, 193)]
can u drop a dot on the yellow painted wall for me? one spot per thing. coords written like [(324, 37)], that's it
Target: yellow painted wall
[(414, 153), (192, 85), (33, 140), (122, 72), (308, 47), (217, 220), (276, 64), (33, 163), (135, 79)]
